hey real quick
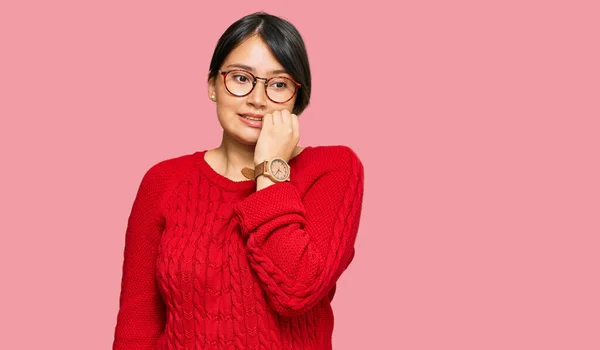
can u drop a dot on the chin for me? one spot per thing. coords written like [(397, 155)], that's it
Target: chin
[(245, 138)]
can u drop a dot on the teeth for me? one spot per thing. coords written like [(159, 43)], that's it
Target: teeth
[(258, 119)]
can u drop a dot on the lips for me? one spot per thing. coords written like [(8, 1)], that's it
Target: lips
[(251, 115), (253, 123)]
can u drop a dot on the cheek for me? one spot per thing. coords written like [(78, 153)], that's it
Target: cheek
[(290, 105), (228, 104), (293, 101), (227, 109)]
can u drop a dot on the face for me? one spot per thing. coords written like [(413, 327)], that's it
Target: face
[(257, 57)]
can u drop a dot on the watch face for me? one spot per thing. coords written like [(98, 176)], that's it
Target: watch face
[(279, 169)]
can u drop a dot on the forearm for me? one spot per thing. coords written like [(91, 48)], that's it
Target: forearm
[(299, 244), (263, 182)]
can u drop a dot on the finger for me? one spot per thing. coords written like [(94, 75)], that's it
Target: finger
[(287, 119), (285, 116), (295, 125), (277, 118), (267, 120)]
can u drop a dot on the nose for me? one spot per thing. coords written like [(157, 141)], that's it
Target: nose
[(258, 98)]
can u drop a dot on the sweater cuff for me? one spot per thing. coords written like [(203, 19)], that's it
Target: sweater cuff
[(262, 206)]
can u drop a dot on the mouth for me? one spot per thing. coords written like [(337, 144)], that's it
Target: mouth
[(250, 116), (251, 120)]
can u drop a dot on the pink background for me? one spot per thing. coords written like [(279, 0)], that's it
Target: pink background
[(478, 126)]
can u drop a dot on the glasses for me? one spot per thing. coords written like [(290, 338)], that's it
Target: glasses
[(240, 83)]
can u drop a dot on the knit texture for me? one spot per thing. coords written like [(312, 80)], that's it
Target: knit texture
[(211, 263)]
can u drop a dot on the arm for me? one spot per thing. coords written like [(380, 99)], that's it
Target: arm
[(141, 316), (299, 247)]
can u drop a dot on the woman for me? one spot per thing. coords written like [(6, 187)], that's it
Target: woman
[(221, 254)]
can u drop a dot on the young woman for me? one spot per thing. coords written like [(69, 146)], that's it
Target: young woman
[(240, 246)]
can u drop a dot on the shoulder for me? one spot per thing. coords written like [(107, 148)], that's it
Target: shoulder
[(163, 175), (337, 157), (338, 168), (162, 171)]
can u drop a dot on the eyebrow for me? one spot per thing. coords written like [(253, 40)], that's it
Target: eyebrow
[(242, 66)]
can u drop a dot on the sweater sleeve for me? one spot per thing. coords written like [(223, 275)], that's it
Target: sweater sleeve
[(141, 316), (299, 247)]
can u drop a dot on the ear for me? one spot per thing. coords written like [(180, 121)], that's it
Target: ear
[(212, 90)]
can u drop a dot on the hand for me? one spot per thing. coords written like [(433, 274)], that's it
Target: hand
[(278, 137)]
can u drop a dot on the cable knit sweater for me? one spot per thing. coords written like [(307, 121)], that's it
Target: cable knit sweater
[(211, 263)]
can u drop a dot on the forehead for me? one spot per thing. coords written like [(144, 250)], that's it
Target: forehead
[(255, 53)]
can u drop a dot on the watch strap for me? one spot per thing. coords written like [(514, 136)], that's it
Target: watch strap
[(248, 173), (261, 168), (252, 174)]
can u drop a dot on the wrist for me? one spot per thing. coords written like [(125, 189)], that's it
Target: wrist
[(258, 160), (275, 169), (263, 181)]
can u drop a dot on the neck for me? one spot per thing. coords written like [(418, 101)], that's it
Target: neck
[(231, 156)]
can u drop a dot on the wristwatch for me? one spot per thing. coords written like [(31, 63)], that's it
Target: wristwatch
[(276, 169)]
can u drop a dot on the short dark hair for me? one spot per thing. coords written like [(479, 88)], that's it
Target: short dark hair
[(285, 43)]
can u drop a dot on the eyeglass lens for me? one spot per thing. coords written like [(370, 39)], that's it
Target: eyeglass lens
[(240, 83)]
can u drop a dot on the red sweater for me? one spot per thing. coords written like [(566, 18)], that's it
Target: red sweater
[(211, 263)]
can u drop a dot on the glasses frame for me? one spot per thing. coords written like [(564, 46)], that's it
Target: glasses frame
[(225, 73)]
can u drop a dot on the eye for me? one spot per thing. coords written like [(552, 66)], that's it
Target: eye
[(240, 78), (279, 84)]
